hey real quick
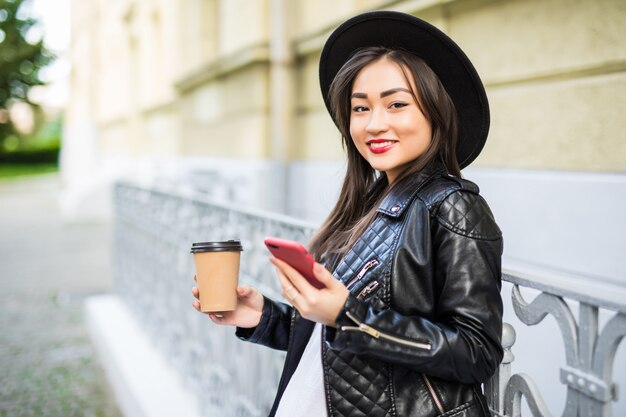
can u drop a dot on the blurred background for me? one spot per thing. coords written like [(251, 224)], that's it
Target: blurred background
[(122, 119)]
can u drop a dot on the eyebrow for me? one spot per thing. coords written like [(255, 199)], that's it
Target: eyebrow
[(383, 94)]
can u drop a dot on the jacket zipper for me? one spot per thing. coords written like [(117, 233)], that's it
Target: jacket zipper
[(378, 334), (433, 394), (369, 265), (368, 290)]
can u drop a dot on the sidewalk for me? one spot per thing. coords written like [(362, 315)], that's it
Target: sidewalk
[(47, 363)]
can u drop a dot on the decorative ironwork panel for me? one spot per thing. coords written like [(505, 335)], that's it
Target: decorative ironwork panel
[(589, 353)]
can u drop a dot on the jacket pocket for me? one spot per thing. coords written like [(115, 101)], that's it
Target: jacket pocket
[(469, 409), (434, 395)]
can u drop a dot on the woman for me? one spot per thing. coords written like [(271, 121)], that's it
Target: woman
[(409, 323)]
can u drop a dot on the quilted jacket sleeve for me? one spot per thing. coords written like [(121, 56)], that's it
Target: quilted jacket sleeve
[(273, 329), (445, 317)]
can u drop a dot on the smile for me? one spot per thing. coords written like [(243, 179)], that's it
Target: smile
[(381, 145)]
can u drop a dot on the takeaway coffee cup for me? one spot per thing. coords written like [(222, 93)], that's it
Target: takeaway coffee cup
[(217, 274)]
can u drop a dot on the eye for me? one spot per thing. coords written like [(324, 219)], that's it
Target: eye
[(398, 105), (359, 109)]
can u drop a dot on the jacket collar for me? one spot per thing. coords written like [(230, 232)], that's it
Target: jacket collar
[(403, 193)]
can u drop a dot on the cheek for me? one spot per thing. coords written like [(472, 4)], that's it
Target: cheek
[(413, 126), (427, 131), (357, 141)]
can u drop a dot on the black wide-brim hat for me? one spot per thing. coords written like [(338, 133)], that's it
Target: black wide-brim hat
[(396, 30)]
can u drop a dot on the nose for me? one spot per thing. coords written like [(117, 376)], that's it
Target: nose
[(377, 122)]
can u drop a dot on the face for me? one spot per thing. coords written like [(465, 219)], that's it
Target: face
[(386, 124)]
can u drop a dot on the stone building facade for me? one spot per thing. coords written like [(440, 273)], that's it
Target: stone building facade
[(223, 96)]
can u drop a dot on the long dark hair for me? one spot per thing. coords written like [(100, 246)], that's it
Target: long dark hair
[(363, 189)]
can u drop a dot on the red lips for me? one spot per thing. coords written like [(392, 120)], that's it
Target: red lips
[(381, 145)]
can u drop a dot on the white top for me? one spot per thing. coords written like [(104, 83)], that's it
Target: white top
[(305, 395)]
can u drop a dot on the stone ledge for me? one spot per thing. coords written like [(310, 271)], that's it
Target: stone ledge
[(225, 65), (143, 383)]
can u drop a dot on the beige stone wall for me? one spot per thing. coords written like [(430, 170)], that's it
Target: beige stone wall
[(241, 23), (227, 116), (126, 51), (555, 72), (315, 136), (198, 77)]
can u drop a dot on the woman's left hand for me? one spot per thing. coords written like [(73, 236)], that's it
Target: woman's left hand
[(321, 306)]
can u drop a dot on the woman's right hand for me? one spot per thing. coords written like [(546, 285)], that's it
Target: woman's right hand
[(247, 314)]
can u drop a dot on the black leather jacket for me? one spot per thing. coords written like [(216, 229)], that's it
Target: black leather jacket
[(421, 327)]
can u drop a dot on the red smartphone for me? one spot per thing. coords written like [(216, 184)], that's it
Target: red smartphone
[(295, 255)]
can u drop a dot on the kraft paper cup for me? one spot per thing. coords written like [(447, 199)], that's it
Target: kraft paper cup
[(217, 274)]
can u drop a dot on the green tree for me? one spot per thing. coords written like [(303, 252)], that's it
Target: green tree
[(20, 60)]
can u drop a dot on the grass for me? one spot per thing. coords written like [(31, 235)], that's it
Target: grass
[(22, 170)]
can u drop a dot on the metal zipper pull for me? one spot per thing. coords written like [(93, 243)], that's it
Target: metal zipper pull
[(369, 330), (369, 265), (378, 334), (368, 290)]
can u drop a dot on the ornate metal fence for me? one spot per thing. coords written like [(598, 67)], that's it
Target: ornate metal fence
[(153, 268), (589, 349)]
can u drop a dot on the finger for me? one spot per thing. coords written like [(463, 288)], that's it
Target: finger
[(285, 285), (244, 291), (295, 278), (196, 305), (289, 292), (195, 279), (195, 292), (215, 318), (222, 317), (324, 276), (293, 296)]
